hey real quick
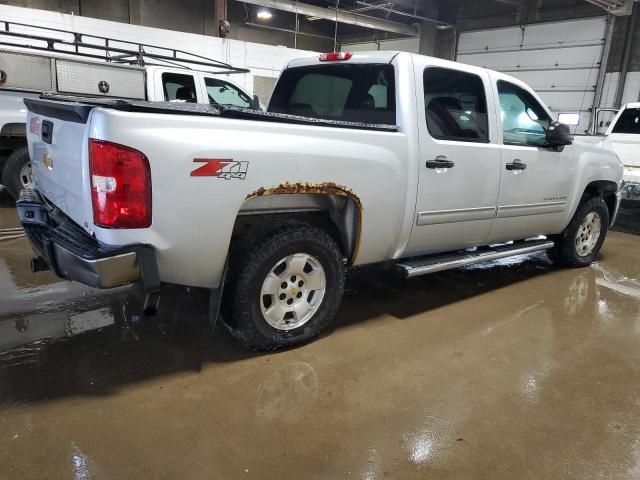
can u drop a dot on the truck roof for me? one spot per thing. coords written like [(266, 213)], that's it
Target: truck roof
[(388, 56)]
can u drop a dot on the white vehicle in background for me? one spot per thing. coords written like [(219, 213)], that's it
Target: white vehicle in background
[(409, 161), (622, 136), (79, 64)]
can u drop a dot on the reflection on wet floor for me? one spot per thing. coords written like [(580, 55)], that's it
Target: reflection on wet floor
[(511, 369)]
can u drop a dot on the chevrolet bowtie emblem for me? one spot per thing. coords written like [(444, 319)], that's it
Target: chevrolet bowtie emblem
[(293, 291), (48, 161)]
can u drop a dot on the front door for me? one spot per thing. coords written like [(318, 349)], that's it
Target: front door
[(459, 161), (536, 181)]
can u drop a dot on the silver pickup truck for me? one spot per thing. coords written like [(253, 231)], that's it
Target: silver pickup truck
[(384, 157)]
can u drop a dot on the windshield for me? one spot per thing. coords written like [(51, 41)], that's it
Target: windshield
[(224, 93), (347, 92), (629, 122)]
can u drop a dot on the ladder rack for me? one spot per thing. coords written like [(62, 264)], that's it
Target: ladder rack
[(110, 50)]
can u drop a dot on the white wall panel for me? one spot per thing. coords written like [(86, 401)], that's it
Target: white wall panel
[(556, 58), (575, 32), (573, 79)]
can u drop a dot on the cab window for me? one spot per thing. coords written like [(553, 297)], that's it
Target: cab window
[(629, 122), (347, 92), (179, 88), (226, 94), (455, 105), (524, 120)]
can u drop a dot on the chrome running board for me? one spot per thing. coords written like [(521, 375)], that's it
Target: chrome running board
[(413, 267)]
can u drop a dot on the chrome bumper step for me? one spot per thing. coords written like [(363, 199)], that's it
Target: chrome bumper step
[(436, 263)]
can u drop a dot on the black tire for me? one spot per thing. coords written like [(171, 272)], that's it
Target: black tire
[(11, 173), (249, 267), (565, 252)]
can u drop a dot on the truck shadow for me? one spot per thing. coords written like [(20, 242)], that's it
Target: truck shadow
[(122, 350)]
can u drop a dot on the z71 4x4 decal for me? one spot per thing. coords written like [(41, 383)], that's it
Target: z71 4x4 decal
[(221, 168)]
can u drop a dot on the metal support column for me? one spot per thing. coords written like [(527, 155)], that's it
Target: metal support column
[(624, 67), (604, 60)]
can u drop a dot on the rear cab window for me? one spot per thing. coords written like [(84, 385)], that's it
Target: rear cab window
[(628, 122), (178, 87), (363, 93)]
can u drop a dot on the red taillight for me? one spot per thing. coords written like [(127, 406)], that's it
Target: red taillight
[(120, 186), (335, 56)]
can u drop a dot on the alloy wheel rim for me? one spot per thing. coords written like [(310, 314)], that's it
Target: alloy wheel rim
[(588, 234), (292, 292)]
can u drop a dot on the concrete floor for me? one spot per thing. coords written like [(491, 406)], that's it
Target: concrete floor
[(509, 370)]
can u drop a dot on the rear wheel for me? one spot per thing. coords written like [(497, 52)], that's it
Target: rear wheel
[(16, 174), (579, 244), (285, 289)]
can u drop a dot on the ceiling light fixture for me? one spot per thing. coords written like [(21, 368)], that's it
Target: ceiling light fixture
[(264, 14)]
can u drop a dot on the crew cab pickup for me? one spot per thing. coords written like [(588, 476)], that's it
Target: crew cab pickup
[(384, 157)]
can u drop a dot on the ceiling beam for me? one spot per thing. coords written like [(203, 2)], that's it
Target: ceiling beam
[(341, 16)]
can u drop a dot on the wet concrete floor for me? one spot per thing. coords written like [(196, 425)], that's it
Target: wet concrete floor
[(509, 370)]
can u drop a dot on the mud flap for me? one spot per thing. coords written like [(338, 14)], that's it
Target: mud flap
[(215, 300)]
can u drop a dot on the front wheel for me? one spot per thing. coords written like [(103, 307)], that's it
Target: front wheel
[(285, 289), (579, 244), (16, 174)]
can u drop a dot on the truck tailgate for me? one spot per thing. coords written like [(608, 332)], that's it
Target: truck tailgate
[(57, 135)]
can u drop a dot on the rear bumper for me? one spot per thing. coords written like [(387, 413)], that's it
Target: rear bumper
[(74, 255)]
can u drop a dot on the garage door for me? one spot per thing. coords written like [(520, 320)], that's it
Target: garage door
[(560, 60)]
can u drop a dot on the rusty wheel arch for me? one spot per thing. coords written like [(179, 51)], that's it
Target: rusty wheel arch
[(322, 188)]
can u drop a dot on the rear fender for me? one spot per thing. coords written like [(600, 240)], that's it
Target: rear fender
[(342, 206)]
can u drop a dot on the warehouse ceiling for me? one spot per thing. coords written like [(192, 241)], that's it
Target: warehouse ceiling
[(337, 21), (353, 17), (403, 17)]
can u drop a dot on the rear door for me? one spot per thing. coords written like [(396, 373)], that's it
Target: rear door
[(536, 181), (459, 159)]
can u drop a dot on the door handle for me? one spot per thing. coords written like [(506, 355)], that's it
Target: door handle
[(440, 162), (516, 165)]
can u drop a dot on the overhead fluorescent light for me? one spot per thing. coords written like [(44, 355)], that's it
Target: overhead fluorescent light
[(264, 14)]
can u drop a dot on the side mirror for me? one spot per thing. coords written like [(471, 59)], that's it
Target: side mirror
[(559, 135), (255, 102)]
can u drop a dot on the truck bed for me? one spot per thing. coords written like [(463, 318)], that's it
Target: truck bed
[(80, 107)]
